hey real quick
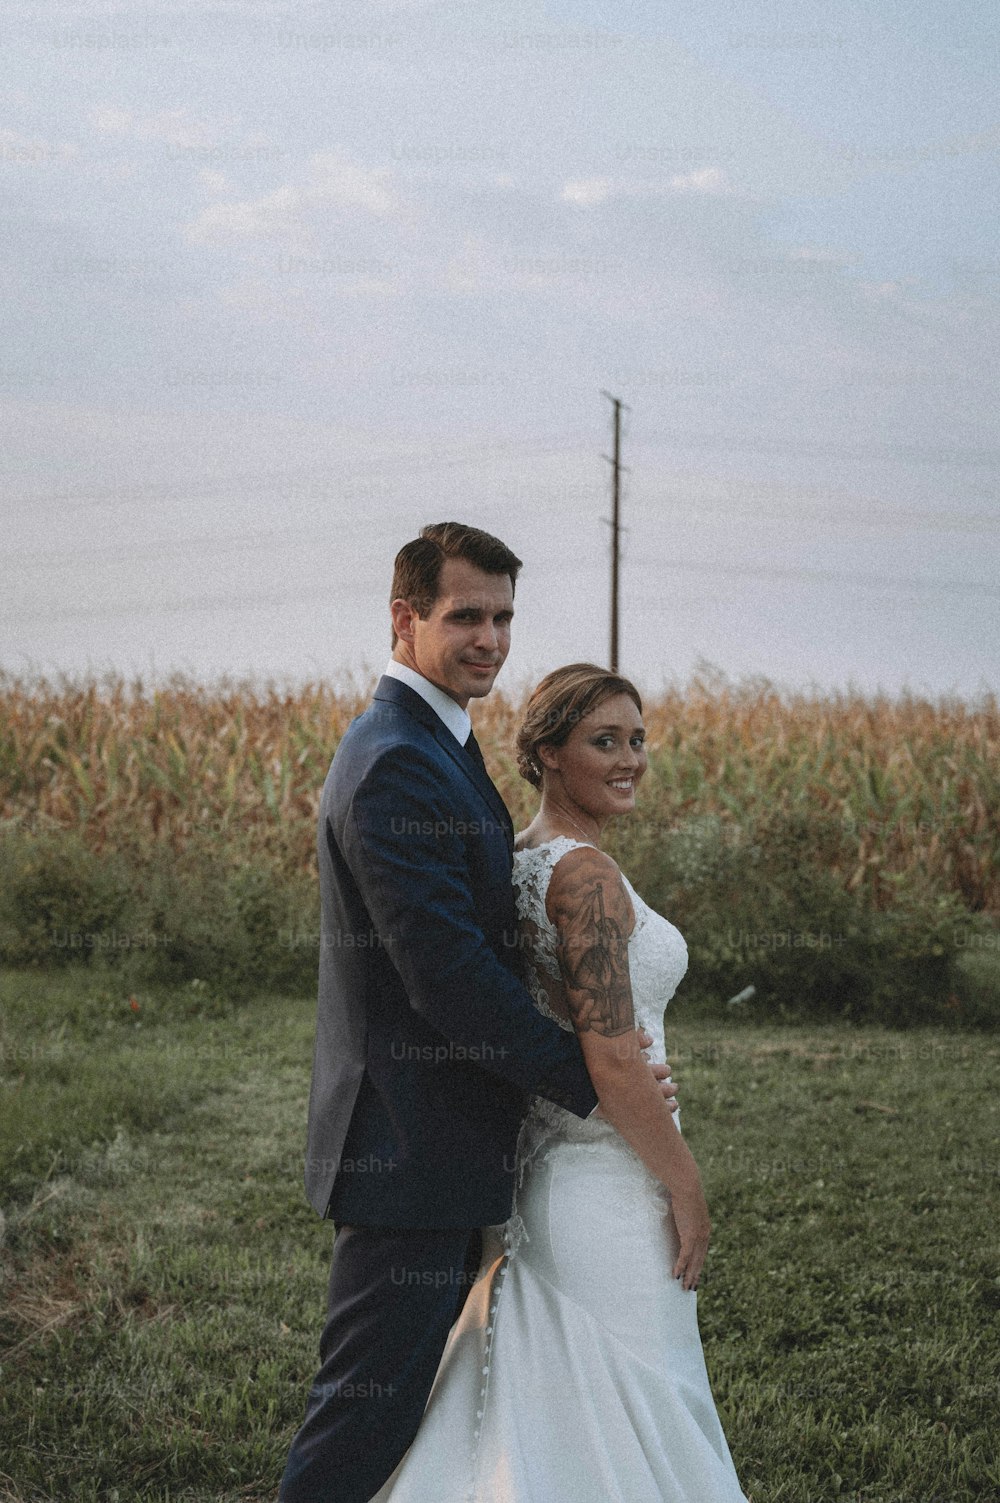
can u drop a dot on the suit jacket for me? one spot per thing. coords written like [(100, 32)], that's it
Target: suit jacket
[(428, 1045)]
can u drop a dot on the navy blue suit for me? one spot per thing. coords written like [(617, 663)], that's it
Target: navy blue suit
[(428, 1046)]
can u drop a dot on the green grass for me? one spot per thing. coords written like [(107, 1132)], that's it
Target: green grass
[(164, 1277)]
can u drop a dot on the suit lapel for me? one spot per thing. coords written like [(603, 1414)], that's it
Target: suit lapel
[(398, 693)]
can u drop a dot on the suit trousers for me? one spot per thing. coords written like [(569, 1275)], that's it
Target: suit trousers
[(393, 1296)]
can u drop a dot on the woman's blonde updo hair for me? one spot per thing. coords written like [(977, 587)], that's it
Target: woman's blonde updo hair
[(559, 703)]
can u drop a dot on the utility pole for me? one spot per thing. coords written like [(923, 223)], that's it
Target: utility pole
[(616, 467)]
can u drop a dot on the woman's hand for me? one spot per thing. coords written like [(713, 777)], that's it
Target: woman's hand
[(694, 1229)]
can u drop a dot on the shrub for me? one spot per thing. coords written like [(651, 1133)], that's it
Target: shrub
[(153, 918), (59, 900), (767, 906)]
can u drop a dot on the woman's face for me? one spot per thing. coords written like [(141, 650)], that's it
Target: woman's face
[(601, 762)]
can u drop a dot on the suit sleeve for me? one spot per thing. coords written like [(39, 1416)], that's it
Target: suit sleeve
[(411, 870)]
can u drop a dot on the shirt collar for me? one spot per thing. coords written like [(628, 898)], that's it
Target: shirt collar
[(455, 718)]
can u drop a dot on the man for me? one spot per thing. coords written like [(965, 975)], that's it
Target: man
[(428, 1045)]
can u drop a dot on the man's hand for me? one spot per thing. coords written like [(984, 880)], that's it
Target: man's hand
[(661, 1073)]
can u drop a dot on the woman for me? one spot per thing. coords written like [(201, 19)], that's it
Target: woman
[(575, 1372)]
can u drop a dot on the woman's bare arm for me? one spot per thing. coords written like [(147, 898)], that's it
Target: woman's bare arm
[(589, 907)]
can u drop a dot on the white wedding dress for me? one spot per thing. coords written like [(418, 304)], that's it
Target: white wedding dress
[(575, 1373)]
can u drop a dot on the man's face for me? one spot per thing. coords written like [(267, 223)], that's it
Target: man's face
[(461, 646)]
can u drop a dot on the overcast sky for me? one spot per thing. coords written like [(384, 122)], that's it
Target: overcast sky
[(283, 282)]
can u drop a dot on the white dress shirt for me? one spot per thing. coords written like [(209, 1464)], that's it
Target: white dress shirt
[(449, 710)]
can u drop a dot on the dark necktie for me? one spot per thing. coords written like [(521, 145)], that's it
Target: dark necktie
[(472, 747)]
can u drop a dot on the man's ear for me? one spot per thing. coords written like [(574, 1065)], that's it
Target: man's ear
[(403, 618)]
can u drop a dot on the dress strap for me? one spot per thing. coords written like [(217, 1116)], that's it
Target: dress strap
[(547, 848)]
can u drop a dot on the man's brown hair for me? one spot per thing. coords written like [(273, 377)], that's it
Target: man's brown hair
[(417, 571)]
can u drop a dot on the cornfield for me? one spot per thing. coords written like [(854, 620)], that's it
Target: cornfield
[(915, 784)]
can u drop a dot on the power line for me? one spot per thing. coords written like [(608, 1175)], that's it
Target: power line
[(902, 453), (833, 576), (395, 466), (763, 505)]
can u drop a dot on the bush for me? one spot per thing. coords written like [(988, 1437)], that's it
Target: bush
[(977, 988), (58, 898), (154, 918), (917, 959), (768, 906)]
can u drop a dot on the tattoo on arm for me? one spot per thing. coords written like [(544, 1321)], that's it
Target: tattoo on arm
[(591, 918)]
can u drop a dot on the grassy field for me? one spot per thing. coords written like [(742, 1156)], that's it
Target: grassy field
[(164, 1277)]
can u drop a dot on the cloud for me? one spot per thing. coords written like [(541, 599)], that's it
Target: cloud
[(175, 128), (110, 121), (585, 192), (343, 182), (821, 255), (703, 180), (214, 182), (32, 151), (332, 180), (268, 215)]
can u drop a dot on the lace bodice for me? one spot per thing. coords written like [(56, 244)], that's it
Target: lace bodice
[(657, 961)]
